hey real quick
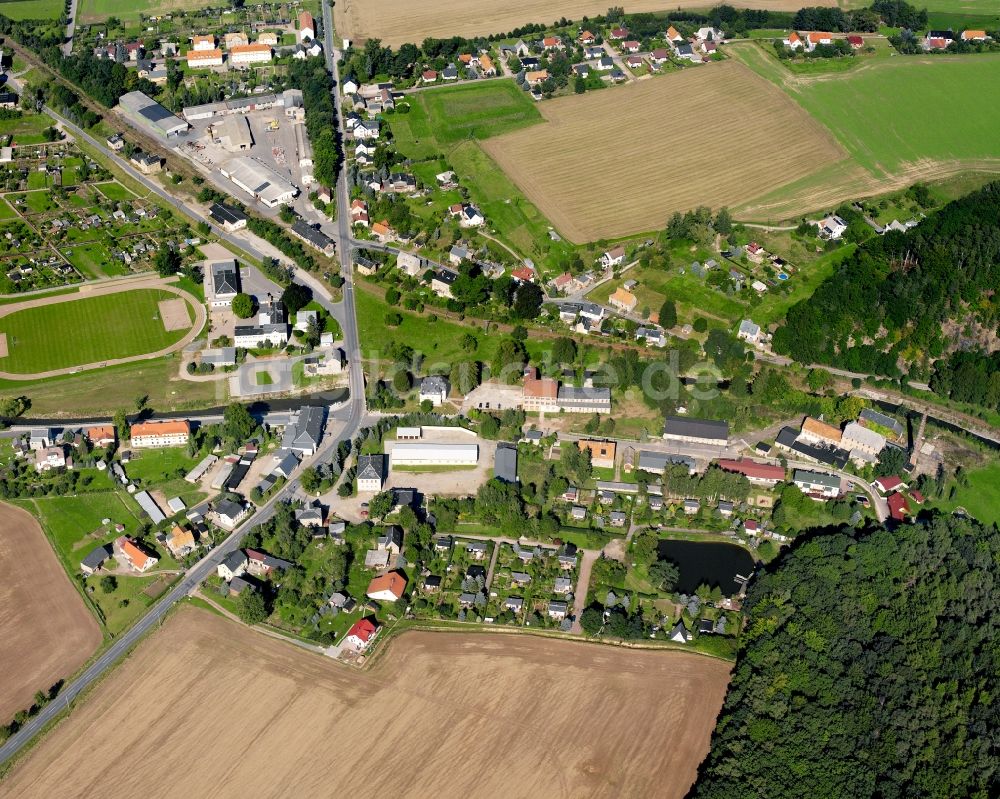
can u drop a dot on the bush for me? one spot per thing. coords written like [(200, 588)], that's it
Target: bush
[(243, 306)]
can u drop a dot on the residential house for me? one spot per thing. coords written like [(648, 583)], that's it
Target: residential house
[(167, 433), (557, 610), (818, 485), (793, 41), (361, 634), (230, 513), (233, 565), (674, 35), (131, 555), (623, 300), (476, 549), (443, 280), (371, 473), (691, 506), (659, 56), (602, 453), (899, 508), (762, 474), (261, 564), (618, 518), (307, 27), (180, 541), (391, 540), (816, 38), (95, 559), (749, 332), (51, 458), (434, 389), (203, 59), (387, 587), (612, 258), (814, 431), (885, 485), (562, 586), (514, 604), (832, 227), (456, 255), (304, 430)]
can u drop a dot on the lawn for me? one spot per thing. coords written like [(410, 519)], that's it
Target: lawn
[(981, 497), (154, 467), (115, 191), (32, 9), (88, 330), (26, 129), (69, 521), (438, 341), (123, 605), (35, 202), (93, 260), (6, 212)]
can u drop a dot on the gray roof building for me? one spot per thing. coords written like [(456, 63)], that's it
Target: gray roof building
[(146, 113), (304, 430), (95, 558), (505, 463), (709, 431)]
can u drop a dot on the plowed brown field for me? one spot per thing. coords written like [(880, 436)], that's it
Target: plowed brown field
[(46, 632), (399, 21), (620, 161), (206, 708)]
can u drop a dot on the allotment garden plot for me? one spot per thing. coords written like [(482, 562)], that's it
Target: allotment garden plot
[(614, 163), (399, 21)]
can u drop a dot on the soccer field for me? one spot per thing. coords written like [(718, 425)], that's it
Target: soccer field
[(87, 330)]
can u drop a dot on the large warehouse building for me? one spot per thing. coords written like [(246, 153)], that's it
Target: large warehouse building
[(259, 181), (149, 115), (423, 454)]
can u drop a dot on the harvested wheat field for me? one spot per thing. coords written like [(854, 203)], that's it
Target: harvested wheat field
[(620, 161), (212, 709), (46, 630), (398, 21)]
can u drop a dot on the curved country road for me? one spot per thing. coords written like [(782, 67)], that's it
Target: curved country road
[(201, 318)]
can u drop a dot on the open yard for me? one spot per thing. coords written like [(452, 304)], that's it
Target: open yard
[(32, 9), (399, 21), (620, 162), (46, 629), (76, 330), (531, 717), (877, 113)]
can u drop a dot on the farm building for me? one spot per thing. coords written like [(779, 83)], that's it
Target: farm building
[(149, 115), (696, 431), (426, 454)]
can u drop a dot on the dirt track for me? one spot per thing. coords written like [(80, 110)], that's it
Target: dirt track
[(111, 287), (398, 21), (209, 709), (46, 631)]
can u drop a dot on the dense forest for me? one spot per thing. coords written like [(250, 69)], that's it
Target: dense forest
[(869, 668), (903, 300)]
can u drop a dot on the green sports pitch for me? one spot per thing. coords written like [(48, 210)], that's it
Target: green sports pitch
[(88, 330)]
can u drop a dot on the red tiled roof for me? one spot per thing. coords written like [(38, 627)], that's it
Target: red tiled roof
[(751, 468), (166, 428), (362, 629), (917, 497), (544, 387), (523, 273), (899, 508), (855, 40), (888, 483), (393, 582)]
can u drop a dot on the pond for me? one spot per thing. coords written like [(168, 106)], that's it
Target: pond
[(714, 563)]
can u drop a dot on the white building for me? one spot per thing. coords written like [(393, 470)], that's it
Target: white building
[(434, 388), (817, 484), (371, 473), (250, 54), (172, 433), (863, 443), (259, 181), (832, 227), (202, 59), (427, 454)]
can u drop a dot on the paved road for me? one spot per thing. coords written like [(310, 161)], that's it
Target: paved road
[(342, 425), (67, 48)]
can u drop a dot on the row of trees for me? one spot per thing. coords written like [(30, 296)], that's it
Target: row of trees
[(316, 84)]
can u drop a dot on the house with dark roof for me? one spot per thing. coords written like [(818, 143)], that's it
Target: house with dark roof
[(304, 430), (371, 472), (230, 217), (434, 389), (95, 559)]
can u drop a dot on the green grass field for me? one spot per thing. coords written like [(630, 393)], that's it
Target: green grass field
[(6, 212), (28, 128), (93, 260), (981, 498), (471, 111), (32, 9), (882, 115), (115, 191), (85, 331), (98, 10)]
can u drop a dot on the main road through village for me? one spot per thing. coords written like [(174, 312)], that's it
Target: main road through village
[(342, 425)]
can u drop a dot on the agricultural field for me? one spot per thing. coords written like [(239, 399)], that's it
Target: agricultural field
[(573, 712), (75, 331), (615, 163), (877, 114), (398, 21), (46, 628)]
